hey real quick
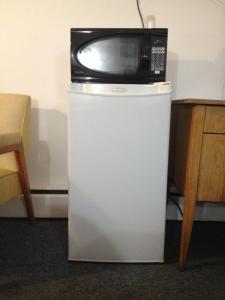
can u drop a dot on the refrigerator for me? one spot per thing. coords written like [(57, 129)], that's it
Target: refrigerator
[(118, 159)]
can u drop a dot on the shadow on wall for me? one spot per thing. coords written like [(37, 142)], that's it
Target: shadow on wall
[(48, 147), (171, 72), (196, 78)]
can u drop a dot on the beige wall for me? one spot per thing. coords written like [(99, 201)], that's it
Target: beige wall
[(34, 59)]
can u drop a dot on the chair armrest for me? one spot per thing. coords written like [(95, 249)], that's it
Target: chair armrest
[(10, 138), (10, 142)]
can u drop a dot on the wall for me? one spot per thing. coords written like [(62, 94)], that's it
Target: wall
[(34, 59)]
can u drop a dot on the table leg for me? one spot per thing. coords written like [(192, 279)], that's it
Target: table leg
[(191, 179), (187, 224)]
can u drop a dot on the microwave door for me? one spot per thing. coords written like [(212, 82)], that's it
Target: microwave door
[(115, 56)]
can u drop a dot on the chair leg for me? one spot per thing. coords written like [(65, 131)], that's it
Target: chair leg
[(24, 180)]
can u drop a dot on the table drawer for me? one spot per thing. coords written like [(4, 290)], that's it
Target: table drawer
[(211, 186), (215, 119)]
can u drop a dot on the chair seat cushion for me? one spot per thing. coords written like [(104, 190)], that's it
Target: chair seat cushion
[(5, 172), (11, 138), (10, 185)]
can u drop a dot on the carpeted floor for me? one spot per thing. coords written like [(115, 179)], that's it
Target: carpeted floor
[(33, 265)]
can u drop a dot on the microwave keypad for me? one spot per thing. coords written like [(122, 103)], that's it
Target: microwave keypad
[(158, 59)]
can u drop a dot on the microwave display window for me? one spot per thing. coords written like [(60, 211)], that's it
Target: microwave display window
[(113, 55)]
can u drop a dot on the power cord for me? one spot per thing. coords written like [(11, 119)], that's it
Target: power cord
[(176, 203), (138, 7)]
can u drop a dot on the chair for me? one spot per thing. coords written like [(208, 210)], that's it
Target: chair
[(14, 124)]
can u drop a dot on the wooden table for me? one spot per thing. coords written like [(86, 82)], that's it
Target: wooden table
[(197, 158)]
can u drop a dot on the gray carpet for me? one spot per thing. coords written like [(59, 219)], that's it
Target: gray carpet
[(33, 265)]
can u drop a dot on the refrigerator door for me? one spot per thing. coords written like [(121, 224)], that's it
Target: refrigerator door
[(118, 153)]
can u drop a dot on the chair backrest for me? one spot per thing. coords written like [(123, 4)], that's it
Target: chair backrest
[(14, 118)]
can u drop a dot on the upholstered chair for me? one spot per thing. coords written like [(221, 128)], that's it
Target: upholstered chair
[(14, 126)]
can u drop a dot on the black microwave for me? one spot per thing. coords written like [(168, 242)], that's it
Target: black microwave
[(118, 55)]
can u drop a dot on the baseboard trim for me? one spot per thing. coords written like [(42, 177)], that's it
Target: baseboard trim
[(45, 206), (49, 192), (205, 211), (54, 204)]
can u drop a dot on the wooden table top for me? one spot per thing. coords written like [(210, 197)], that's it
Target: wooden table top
[(195, 101)]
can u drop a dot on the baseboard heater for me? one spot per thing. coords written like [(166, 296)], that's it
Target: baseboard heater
[(49, 192)]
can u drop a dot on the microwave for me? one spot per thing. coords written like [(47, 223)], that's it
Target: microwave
[(118, 55)]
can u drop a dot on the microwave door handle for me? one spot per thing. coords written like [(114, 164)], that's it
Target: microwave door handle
[(145, 56)]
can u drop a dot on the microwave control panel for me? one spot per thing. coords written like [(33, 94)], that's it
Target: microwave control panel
[(158, 54), (158, 59)]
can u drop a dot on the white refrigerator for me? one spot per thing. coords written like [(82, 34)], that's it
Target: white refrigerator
[(118, 158)]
